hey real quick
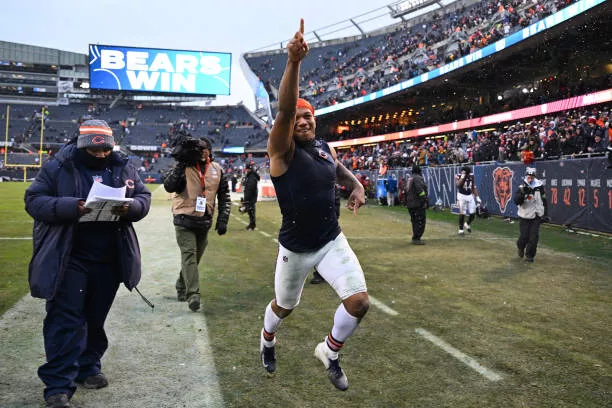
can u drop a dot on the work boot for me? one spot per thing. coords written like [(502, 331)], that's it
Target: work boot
[(194, 302), (94, 382), (316, 278), (58, 401)]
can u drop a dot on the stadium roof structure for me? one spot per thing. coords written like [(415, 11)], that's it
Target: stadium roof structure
[(379, 20)]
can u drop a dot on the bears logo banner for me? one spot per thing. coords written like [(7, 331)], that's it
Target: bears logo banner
[(502, 187)]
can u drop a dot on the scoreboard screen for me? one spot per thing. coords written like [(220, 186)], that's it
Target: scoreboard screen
[(159, 70)]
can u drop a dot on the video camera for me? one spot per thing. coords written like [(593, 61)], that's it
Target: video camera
[(187, 149)]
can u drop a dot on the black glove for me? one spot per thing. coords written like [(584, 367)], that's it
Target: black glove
[(544, 219), (221, 228)]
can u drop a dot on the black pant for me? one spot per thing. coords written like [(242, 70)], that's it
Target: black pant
[(418, 219), (530, 233), (249, 206)]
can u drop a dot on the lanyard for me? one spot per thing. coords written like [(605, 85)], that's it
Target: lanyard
[(202, 180)]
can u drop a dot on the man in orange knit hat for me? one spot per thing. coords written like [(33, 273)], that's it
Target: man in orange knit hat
[(304, 172)]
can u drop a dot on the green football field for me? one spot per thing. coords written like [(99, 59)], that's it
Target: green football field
[(459, 322)]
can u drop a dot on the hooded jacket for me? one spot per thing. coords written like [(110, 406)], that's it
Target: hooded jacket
[(531, 200), (52, 201)]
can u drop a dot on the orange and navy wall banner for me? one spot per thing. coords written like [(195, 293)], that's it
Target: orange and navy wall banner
[(579, 191)]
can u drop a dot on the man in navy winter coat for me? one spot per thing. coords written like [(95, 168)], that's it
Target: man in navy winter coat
[(78, 266)]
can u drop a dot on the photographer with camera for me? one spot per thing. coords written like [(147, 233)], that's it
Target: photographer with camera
[(532, 211), (196, 182)]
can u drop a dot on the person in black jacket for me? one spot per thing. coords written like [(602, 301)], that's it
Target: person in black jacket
[(78, 266), (417, 202), (196, 181), (251, 179)]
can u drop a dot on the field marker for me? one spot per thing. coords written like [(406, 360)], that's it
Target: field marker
[(15, 238), (467, 360), (382, 306), (239, 220)]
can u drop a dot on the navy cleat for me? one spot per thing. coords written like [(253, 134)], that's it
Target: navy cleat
[(268, 358), (268, 355), (334, 372)]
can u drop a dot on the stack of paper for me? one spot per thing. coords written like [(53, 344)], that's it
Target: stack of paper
[(101, 200)]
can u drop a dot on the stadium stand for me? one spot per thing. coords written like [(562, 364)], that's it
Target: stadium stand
[(553, 67), (354, 68)]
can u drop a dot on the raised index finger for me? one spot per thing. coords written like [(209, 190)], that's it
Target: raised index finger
[(301, 25)]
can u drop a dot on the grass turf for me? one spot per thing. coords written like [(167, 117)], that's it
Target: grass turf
[(544, 327)]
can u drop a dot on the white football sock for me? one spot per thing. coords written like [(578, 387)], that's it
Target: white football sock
[(271, 324), (344, 324)]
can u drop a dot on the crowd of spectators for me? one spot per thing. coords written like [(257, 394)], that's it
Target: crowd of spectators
[(357, 68), (568, 134)]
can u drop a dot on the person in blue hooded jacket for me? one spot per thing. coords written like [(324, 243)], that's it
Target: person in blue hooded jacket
[(78, 266)]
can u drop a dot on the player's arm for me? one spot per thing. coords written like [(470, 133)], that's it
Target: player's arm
[(475, 192), (460, 179), (280, 142), (347, 179)]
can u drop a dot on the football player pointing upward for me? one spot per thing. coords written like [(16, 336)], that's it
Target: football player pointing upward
[(467, 196), (304, 172)]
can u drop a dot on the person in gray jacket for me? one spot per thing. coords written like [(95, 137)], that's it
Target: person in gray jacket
[(417, 202), (532, 211)]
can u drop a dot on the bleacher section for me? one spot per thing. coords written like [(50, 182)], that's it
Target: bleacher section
[(335, 73), (138, 126)]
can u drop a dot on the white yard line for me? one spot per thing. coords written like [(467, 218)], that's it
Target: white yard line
[(464, 358), (382, 306), (15, 238)]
